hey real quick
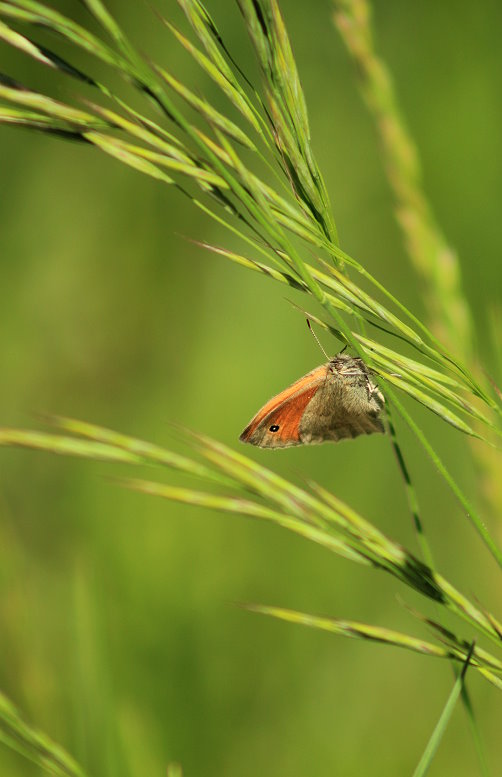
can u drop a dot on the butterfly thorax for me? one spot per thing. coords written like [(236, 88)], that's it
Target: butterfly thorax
[(354, 372)]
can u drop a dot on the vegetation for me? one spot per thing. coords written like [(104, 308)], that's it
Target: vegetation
[(250, 167)]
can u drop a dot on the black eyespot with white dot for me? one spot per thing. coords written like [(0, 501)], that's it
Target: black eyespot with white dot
[(274, 428)]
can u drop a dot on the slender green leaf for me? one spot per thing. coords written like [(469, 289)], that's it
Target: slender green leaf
[(47, 105), (247, 508), (33, 744), (437, 734), (41, 15), (216, 67), (205, 109)]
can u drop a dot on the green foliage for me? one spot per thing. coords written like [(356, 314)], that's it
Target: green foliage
[(223, 166)]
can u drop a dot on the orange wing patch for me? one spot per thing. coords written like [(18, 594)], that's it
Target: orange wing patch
[(288, 416), (289, 406)]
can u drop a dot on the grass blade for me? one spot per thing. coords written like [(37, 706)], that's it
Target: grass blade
[(352, 629), (40, 15), (216, 66), (440, 728), (321, 518), (239, 506), (434, 260), (34, 745), (287, 108), (364, 631), (471, 512)]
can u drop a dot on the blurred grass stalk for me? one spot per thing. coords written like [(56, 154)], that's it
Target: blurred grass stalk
[(206, 158), (318, 516), (435, 261), (33, 744)]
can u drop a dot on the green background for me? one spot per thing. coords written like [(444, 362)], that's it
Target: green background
[(119, 633)]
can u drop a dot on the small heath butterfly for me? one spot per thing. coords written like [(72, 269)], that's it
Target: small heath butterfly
[(335, 401)]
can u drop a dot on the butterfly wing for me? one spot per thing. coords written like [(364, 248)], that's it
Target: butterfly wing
[(277, 424), (348, 404), (343, 408), (323, 422), (333, 402)]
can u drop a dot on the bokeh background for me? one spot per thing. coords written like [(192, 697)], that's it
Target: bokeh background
[(119, 636)]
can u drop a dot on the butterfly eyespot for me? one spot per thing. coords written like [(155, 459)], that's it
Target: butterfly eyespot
[(274, 428)]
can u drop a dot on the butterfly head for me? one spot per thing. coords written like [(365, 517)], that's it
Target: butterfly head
[(345, 364)]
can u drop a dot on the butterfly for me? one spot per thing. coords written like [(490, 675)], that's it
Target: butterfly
[(335, 401)]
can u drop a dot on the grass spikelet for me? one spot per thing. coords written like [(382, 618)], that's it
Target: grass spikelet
[(33, 744)]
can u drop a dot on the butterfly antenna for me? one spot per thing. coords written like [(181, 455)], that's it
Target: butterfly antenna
[(317, 339)]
